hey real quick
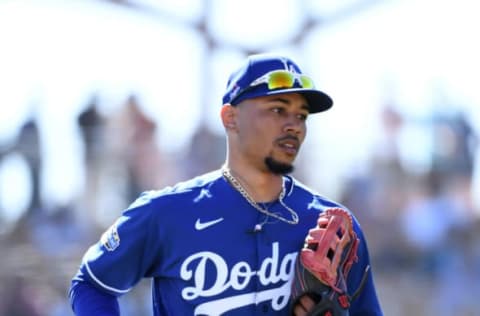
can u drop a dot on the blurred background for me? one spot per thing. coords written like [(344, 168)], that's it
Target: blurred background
[(100, 100)]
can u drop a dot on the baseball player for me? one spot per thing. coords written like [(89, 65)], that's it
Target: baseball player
[(228, 242)]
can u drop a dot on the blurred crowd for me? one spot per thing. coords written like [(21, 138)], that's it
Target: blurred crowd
[(422, 225)]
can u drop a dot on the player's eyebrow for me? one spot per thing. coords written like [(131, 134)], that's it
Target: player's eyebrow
[(304, 106)]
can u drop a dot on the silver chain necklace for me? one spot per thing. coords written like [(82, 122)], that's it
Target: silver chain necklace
[(236, 184)]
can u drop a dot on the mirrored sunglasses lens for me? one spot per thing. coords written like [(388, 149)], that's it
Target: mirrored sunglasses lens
[(306, 82), (280, 80)]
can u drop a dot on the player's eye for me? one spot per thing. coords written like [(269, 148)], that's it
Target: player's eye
[(278, 110), (302, 117)]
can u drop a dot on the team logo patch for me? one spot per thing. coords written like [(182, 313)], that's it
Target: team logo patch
[(110, 239)]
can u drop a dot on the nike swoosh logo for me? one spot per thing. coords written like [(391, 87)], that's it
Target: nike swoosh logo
[(200, 226)]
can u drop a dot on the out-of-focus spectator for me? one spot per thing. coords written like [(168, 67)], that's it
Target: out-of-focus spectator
[(206, 152), (92, 127), (28, 148), (426, 223), (28, 145), (134, 161), (454, 145)]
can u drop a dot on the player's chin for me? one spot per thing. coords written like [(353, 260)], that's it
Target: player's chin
[(278, 166)]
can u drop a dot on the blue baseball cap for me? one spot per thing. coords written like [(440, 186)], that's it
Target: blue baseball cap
[(241, 83)]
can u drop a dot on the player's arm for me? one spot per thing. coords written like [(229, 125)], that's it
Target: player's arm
[(366, 303), (87, 300), (113, 265)]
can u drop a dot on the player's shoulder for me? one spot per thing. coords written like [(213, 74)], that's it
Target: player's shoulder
[(319, 202), (179, 191), (316, 200), (192, 186), (301, 189)]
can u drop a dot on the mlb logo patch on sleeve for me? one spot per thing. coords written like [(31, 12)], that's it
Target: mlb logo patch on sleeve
[(110, 239)]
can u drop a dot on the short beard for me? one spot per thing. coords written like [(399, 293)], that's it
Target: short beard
[(277, 167)]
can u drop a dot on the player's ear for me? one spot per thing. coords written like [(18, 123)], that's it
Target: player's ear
[(228, 116)]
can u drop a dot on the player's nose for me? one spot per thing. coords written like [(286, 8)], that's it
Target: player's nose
[(293, 125)]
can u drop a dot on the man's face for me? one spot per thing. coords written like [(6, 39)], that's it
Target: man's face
[(271, 130)]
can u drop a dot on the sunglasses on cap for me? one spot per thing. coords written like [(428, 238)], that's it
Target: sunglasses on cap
[(283, 79), (279, 79)]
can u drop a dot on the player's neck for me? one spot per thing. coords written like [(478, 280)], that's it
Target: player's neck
[(262, 185)]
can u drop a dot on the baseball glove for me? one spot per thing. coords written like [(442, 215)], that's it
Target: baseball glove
[(324, 262)]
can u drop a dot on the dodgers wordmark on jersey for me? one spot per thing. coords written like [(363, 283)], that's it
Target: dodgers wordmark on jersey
[(210, 252)]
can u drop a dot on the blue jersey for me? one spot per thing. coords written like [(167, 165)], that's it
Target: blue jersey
[(201, 243)]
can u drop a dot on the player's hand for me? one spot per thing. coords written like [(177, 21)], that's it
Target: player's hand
[(304, 305), (323, 264)]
